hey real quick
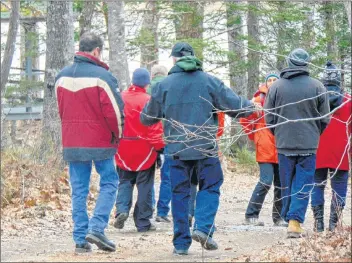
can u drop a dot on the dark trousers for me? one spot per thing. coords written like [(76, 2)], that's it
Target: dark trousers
[(269, 174), (339, 182), (143, 209), (210, 178), (297, 179)]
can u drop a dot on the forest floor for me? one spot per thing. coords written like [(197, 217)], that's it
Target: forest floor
[(40, 230)]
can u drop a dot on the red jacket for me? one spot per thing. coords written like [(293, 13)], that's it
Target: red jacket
[(334, 140), (138, 146), (255, 127), (90, 109)]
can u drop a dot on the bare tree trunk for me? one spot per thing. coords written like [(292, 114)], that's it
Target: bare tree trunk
[(238, 81), (188, 23), (253, 42), (281, 38), (116, 33), (237, 60), (85, 20), (330, 30), (59, 53), (308, 28), (150, 45), (10, 44), (348, 11)]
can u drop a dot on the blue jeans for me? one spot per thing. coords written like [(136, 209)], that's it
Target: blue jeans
[(297, 178), (269, 173), (163, 205), (80, 178), (143, 210), (194, 189), (338, 185), (210, 178)]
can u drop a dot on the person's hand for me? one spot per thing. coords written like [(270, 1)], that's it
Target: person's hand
[(160, 160)]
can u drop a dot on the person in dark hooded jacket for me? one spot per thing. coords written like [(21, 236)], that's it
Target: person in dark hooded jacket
[(297, 108), (332, 154), (188, 100)]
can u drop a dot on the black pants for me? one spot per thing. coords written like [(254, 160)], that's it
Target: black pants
[(269, 173), (143, 209)]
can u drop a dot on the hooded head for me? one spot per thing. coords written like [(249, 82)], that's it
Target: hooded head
[(141, 77), (298, 58), (332, 80)]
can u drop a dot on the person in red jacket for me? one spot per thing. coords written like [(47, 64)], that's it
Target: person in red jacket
[(266, 156), (332, 155), (136, 156)]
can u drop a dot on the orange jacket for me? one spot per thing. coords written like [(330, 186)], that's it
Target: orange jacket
[(255, 127), (221, 120)]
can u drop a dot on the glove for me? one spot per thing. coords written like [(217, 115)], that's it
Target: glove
[(160, 160)]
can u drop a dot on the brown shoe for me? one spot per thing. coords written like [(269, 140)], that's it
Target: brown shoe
[(294, 229)]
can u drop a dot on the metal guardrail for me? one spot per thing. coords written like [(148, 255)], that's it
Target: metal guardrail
[(26, 112)]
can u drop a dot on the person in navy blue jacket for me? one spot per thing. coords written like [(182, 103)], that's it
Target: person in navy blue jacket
[(188, 99)]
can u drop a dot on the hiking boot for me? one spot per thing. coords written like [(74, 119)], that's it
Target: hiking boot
[(101, 241), (162, 219), (190, 219), (83, 248), (280, 223), (334, 218), (254, 221), (151, 228), (180, 252), (120, 220), (318, 213), (207, 242), (294, 229)]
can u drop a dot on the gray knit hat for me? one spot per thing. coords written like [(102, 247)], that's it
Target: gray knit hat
[(298, 58)]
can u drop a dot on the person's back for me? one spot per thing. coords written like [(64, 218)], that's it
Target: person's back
[(297, 113), (297, 96), (188, 100), (91, 113), (188, 97)]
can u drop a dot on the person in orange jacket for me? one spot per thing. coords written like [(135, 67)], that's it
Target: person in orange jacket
[(267, 158)]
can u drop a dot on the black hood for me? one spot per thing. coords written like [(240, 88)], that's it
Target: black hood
[(289, 73), (335, 96)]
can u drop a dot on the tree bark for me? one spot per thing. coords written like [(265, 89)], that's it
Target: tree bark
[(188, 23), (150, 45), (253, 41), (85, 20), (348, 11), (237, 56), (117, 49), (59, 53), (10, 44), (281, 38), (330, 30)]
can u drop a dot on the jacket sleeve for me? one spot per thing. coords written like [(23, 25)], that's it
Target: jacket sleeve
[(112, 106), (152, 112), (225, 99), (155, 136), (323, 108), (248, 125), (269, 106), (221, 119)]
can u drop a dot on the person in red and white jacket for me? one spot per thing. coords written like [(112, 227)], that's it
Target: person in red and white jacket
[(136, 156), (333, 151), (91, 113)]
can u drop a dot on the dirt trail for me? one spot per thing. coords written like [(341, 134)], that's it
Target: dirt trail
[(49, 238)]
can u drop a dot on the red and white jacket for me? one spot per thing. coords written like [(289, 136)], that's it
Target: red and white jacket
[(137, 150)]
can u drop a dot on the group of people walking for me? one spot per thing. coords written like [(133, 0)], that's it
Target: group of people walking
[(173, 120)]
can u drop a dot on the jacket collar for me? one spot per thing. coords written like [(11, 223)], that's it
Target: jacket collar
[(83, 56), (135, 88)]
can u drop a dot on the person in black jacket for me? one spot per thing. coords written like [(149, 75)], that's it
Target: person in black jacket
[(188, 99), (297, 108)]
